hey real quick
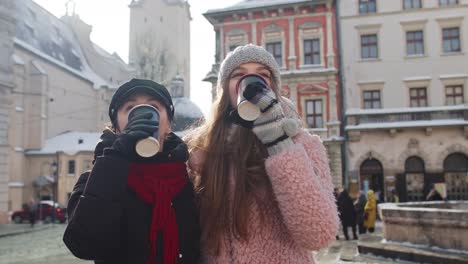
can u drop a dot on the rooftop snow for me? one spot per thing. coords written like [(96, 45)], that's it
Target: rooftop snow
[(186, 115), (17, 59), (409, 124), (86, 73), (309, 70), (186, 108), (69, 143), (357, 111), (252, 4), (45, 35)]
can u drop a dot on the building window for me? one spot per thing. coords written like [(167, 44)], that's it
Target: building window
[(233, 47), (412, 4), (448, 2), (454, 95), (414, 43), (276, 50), (418, 97), (369, 48), (312, 51), (415, 170), (372, 99), (30, 30), (71, 167), (455, 171), (314, 113), (451, 39), (367, 6)]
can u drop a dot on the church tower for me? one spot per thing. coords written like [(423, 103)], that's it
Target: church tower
[(160, 40)]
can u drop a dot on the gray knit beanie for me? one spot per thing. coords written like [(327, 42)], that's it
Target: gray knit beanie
[(246, 54)]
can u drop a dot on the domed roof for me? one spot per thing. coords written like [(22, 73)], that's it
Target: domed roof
[(187, 114)]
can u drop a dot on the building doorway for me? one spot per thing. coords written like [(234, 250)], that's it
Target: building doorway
[(456, 176), (371, 177), (414, 174)]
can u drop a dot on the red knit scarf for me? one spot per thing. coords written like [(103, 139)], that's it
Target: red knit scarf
[(158, 184)]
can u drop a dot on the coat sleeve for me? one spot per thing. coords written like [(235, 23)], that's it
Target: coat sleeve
[(302, 184), (95, 210)]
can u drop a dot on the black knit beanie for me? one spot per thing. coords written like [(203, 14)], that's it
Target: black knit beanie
[(124, 92)]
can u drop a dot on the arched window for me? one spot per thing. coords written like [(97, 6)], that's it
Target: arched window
[(456, 176), (371, 175), (415, 169)]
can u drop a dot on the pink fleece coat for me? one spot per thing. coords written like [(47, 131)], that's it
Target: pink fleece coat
[(302, 219)]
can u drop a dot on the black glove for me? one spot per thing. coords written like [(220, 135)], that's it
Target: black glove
[(107, 139), (139, 127)]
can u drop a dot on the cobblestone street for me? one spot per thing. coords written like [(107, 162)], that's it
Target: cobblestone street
[(39, 247), (45, 246)]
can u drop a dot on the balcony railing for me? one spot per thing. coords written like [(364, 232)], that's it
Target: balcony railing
[(407, 117)]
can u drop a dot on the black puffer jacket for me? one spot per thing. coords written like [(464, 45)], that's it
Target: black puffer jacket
[(108, 223)]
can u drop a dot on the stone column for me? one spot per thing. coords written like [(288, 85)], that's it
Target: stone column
[(254, 32), (334, 155), (333, 122), (292, 49), (221, 43), (7, 33), (330, 38), (293, 93)]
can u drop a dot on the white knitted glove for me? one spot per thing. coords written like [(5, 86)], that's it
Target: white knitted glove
[(273, 127)]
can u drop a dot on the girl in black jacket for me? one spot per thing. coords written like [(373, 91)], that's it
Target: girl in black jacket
[(130, 209)]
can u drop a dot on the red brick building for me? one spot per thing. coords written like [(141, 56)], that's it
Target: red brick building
[(301, 35)]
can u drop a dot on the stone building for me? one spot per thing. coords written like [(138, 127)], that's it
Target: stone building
[(301, 35), (55, 86), (7, 32), (160, 40), (406, 71), (55, 89)]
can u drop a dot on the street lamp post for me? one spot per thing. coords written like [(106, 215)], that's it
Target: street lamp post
[(54, 187)]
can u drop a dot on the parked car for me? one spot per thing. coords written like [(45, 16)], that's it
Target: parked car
[(45, 212)]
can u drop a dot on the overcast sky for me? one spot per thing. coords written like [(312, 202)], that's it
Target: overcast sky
[(110, 21)]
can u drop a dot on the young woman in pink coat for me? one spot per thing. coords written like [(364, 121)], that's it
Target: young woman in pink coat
[(264, 186)]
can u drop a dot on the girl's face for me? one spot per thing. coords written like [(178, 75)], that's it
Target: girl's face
[(244, 69), (142, 98)]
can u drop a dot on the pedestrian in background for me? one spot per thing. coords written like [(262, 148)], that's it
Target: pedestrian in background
[(394, 198), (264, 186), (434, 195), (370, 211), (359, 206), (336, 193), (32, 211), (347, 214)]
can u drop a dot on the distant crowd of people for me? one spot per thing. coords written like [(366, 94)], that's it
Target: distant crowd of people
[(363, 211)]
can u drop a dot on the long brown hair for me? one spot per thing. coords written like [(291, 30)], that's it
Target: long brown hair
[(228, 151)]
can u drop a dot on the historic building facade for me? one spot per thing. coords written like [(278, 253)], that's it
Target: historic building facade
[(406, 71), (7, 31), (301, 35), (55, 88), (160, 41)]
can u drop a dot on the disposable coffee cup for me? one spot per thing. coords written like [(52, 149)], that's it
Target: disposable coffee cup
[(251, 83), (149, 146)]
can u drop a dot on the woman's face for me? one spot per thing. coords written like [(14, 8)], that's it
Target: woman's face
[(244, 69), (142, 98)]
